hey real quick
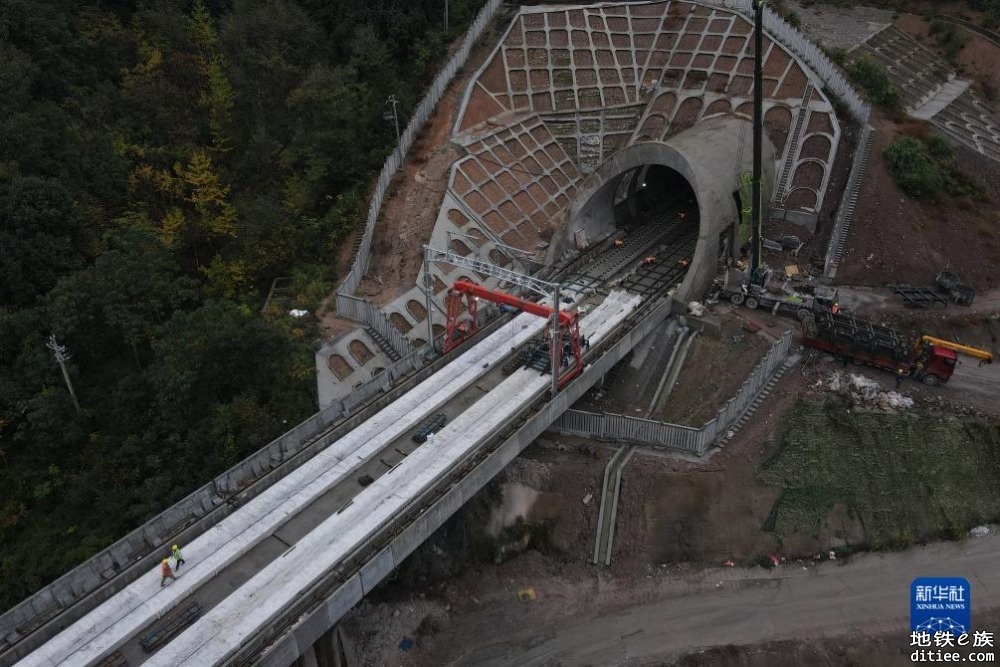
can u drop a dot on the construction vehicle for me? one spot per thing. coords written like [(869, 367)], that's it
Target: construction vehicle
[(928, 359), (565, 348), (984, 356), (760, 292), (432, 425)]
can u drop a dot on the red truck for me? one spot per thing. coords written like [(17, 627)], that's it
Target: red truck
[(863, 342)]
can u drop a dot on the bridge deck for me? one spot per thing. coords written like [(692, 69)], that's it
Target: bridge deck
[(291, 532)]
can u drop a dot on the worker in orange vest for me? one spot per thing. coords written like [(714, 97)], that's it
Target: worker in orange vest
[(166, 572)]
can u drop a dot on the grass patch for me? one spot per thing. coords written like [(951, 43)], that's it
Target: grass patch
[(875, 83), (923, 166), (907, 477)]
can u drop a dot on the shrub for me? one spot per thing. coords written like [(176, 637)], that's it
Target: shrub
[(839, 55), (793, 19), (914, 169), (953, 41), (874, 82), (939, 147)]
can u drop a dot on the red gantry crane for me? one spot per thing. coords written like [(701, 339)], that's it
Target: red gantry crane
[(569, 324)]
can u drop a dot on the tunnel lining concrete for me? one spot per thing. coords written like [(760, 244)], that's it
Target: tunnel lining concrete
[(710, 156)]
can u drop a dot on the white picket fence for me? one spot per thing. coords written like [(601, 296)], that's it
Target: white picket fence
[(664, 435)]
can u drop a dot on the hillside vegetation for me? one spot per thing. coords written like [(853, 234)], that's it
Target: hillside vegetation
[(161, 162)]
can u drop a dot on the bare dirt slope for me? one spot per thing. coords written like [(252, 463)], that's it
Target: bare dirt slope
[(895, 239), (712, 373), (978, 59), (416, 194)]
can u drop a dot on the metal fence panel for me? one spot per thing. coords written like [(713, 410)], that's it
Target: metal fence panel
[(676, 436)]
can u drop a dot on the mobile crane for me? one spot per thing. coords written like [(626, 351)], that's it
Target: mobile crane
[(928, 359), (984, 356), (569, 324)]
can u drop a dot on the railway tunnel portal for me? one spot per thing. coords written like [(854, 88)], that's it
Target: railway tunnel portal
[(688, 182)]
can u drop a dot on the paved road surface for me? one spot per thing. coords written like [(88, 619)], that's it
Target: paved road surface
[(866, 299), (869, 595)]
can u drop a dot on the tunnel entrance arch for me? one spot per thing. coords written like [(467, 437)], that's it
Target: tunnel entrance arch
[(705, 161)]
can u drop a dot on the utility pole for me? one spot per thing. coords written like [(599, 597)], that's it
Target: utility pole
[(556, 347), (758, 124), (391, 115), (446, 18), (429, 297), (61, 357)]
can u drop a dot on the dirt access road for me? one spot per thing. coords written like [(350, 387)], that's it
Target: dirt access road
[(672, 617)]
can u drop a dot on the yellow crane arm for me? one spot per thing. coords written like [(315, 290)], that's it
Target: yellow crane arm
[(958, 347)]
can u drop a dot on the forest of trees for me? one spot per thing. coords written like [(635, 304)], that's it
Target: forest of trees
[(161, 162)]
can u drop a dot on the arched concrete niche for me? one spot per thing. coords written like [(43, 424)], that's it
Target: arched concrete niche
[(710, 156)]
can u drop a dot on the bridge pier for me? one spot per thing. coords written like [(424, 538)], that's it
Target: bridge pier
[(331, 649)]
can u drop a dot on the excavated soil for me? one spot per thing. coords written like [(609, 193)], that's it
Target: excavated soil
[(713, 371), (896, 239)]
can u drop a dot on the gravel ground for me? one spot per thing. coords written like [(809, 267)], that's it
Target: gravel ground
[(840, 27)]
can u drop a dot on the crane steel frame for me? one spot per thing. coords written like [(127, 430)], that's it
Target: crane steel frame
[(433, 255), (984, 356), (568, 324)]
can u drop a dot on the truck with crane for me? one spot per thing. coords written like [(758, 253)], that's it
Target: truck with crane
[(761, 292), (927, 359)]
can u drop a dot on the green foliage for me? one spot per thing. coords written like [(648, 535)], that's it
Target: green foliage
[(838, 55), (160, 164), (38, 238), (938, 147), (874, 82), (907, 477), (914, 169), (793, 19), (923, 169), (950, 38)]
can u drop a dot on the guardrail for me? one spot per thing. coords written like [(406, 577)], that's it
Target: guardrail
[(95, 580), (664, 435), (393, 162), (345, 584)]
